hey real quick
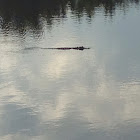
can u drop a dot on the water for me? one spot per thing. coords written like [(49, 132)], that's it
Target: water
[(69, 94)]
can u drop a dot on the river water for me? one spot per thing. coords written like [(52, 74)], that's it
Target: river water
[(51, 94)]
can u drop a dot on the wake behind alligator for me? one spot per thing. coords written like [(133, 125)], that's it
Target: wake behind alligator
[(59, 48)]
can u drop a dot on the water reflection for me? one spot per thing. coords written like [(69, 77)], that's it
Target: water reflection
[(52, 100), (55, 94), (21, 16)]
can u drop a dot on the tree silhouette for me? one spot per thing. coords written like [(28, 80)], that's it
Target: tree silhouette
[(22, 15)]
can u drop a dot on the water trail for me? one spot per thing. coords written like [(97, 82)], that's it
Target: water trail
[(59, 48)]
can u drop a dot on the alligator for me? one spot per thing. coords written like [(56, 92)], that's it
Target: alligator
[(69, 48)]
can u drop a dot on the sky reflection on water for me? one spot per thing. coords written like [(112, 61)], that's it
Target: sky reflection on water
[(57, 94)]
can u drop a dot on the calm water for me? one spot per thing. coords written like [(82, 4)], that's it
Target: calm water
[(50, 94)]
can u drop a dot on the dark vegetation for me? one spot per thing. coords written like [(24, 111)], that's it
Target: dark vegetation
[(24, 14)]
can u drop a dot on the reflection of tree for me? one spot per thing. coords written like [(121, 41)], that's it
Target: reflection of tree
[(24, 14), (90, 6)]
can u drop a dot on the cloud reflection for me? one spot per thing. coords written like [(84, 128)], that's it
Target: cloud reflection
[(102, 104), (69, 94)]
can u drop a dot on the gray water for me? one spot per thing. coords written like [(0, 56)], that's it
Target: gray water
[(51, 94)]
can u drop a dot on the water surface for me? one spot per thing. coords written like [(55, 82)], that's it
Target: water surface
[(50, 94)]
